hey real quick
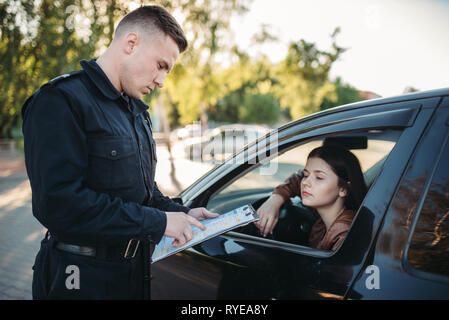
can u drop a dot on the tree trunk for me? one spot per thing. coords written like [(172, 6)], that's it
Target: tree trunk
[(165, 125)]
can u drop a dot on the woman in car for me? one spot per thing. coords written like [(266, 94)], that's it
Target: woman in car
[(332, 184)]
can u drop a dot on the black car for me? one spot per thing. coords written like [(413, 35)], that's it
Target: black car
[(398, 244)]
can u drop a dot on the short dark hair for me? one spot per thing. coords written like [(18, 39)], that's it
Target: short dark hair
[(154, 17), (347, 167)]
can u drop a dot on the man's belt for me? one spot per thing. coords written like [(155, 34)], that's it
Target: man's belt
[(127, 251)]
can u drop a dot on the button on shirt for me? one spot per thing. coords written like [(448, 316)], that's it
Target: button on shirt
[(91, 159)]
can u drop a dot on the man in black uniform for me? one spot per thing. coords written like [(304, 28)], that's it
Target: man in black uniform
[(91, 159)]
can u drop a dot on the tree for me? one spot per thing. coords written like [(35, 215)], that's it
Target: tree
[(303, 77), (410, 89), (40, 41), (260, 108), (193, 84), (345, 94), (248, 88)]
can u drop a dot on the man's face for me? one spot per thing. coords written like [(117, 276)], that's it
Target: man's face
[(147, 63)]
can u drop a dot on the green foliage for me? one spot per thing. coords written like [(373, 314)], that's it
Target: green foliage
[(193, 82), (247, 90), (227, 109), (40, 40), (344, 94), (259, 108), (303, 77)]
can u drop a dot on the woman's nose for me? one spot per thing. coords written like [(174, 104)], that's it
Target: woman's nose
[(305, 181)]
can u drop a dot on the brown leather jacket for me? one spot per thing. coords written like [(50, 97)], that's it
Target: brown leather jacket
[(319, 238), (333, 238)]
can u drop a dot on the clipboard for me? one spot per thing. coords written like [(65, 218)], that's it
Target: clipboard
[(214, 227)]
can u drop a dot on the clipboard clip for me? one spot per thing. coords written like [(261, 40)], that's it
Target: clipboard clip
[(249, 210)]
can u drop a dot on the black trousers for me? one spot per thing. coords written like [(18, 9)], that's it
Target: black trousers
[(62, 275)]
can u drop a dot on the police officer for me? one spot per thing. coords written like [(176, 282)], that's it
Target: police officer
[(91, 158)]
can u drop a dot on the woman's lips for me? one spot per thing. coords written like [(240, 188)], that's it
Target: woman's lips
[(306, 194)]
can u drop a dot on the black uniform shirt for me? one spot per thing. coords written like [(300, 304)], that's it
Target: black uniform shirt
[(91, 159)]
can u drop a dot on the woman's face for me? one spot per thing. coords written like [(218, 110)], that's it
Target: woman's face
[(319, 186)]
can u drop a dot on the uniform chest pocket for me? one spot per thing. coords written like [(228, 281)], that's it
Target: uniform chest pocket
[(112, 163)]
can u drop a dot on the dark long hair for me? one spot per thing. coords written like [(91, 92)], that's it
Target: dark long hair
[(347, 167)]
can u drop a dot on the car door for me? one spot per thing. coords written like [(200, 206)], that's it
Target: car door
[(239, 265), (411, 255)]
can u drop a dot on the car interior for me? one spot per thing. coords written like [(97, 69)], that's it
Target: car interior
[(371, 147)]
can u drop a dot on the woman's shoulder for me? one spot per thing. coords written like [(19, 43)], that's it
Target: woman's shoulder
[(345, 217), (340, 228), (343, 222)]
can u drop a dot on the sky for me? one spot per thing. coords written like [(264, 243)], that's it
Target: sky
[(392, 44)]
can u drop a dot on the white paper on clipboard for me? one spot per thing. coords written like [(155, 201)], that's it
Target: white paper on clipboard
[(214, 227)]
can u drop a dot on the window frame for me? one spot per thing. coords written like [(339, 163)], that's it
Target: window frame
[(398, 115), (408, 266), (394, 115), (291, 247)]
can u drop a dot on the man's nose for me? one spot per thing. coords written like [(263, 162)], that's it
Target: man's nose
[(159, 80)]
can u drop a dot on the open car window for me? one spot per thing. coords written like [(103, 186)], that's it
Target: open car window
[(371, 148)]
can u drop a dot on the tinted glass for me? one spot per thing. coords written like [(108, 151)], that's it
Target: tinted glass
[(429, 247)]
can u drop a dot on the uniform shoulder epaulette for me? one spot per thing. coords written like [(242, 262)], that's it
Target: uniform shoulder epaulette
[(64, 76), (49, 83)]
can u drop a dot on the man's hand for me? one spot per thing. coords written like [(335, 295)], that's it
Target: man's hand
[(202, 214), (179, 227)]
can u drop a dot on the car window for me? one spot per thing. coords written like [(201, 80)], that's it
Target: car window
[(429, 246), (226, 141), (256, 185), (280, 168)]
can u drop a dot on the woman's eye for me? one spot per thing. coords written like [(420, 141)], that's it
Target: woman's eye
[(319, 178)]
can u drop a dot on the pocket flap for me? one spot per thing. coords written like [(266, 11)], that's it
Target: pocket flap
[(113, 148)]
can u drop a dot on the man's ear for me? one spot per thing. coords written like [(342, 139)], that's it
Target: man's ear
[(131, 39)]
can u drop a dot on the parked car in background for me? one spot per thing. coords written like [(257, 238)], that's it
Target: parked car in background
[(189, 131), (398, 244), (222, 141)]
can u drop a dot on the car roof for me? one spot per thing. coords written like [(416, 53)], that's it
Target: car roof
[(373, 102), (353, 106)]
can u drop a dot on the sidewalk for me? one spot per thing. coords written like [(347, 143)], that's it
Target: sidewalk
[(21, 233), (174, 176), (11, 163)]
